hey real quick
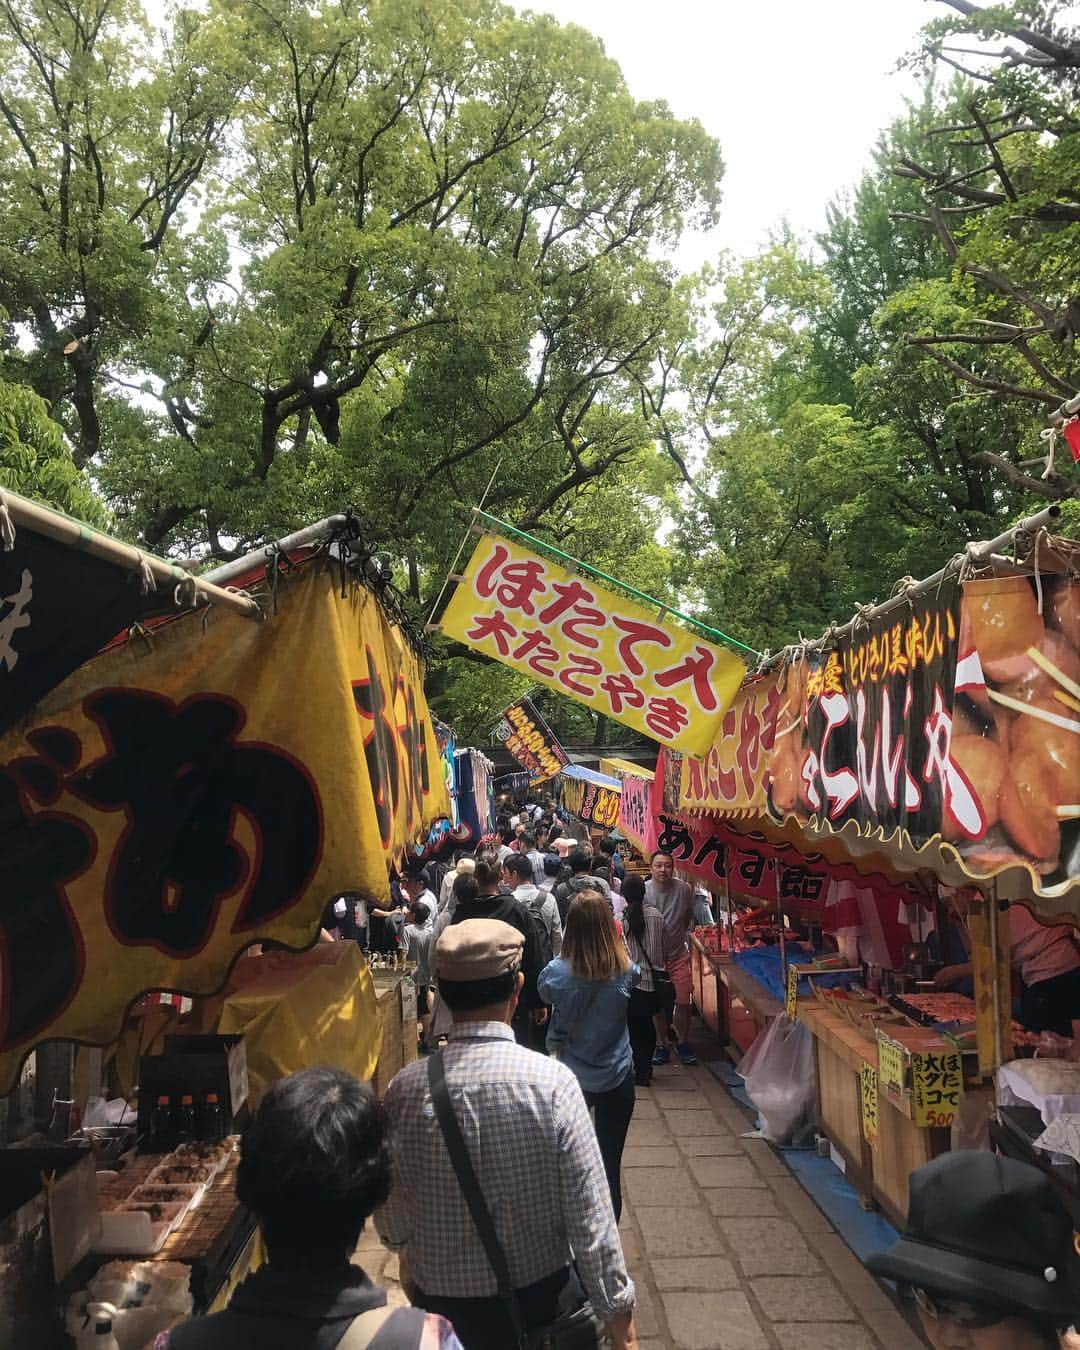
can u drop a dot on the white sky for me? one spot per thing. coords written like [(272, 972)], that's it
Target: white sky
[(795, 91)]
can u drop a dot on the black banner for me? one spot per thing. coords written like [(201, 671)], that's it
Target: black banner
[(58, 607), (531, 741), (873, 744)]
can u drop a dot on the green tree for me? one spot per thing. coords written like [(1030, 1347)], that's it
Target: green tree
[(34, 458), (310, 254)]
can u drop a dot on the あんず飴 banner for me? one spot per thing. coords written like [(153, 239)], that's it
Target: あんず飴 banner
[(172, 802), (593, 645)]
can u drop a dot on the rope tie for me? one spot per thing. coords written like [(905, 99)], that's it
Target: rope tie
[(1039, 534), (1050, 436), (185, 593), (147, 580), (7, 526)]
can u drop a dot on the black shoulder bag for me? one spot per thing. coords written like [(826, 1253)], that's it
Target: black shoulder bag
[(578, 1330)]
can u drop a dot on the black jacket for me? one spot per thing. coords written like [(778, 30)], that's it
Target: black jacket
[(513, 912), (291, 1310)]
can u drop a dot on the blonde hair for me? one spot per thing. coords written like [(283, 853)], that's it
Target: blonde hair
[(591, 943)]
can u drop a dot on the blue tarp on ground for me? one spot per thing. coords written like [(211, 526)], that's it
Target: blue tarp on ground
[(763, 963)]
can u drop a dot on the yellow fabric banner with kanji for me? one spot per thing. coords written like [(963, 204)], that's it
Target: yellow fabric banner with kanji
[(181, 797), (593, 645)]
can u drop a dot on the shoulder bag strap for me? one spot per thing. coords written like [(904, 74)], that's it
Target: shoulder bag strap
[(362, 1330), (470, 1188)]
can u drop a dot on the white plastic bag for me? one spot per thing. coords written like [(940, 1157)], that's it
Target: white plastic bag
[(780, 1078)]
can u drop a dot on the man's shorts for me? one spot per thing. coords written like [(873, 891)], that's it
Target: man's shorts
[(679, 970)]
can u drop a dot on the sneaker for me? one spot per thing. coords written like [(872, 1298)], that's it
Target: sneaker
[(661, 1055), (686, 1055)]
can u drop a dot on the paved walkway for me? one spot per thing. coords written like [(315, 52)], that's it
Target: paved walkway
[(726, 1249)]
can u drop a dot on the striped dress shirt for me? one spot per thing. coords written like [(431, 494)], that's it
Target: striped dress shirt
[(535, 1153)]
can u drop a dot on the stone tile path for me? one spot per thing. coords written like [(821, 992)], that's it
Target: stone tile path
[(726, 1249)]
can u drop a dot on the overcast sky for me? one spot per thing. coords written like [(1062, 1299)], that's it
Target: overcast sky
[(794, 90)]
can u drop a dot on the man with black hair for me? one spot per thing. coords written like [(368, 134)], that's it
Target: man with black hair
[(581, 879), (490, 902), (527, 1131), (527, 847), (517, 873), (314, 1164), (608, 847)]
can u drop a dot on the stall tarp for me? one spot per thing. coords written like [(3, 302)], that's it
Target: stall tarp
[(732, 779), (592, 797), (949, 732), (473, 772), (177, 800), (593, 645), (531, 741), (633, 800), (57, 609), (302, 1011)]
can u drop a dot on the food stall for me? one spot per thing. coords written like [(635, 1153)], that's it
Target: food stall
[(934, 740), (253, 807)]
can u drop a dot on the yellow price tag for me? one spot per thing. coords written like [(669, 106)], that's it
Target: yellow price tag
[(791, 1003), (890, 1065), (937, 1084), (868, 1094)]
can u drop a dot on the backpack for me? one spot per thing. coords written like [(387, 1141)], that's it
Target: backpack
[(565, 893), (534, 906)]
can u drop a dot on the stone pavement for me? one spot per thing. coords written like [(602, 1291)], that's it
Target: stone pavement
[(726, 1249)]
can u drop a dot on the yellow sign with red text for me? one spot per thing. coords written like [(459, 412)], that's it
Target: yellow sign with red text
[(593, 645)]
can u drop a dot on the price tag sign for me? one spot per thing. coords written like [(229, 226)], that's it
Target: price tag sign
[(868, 1094), (937, 1084), (890, 1065), (791, 1003)]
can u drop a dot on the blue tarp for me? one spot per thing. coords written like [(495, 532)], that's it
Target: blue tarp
[(763, 963), (591, 776)]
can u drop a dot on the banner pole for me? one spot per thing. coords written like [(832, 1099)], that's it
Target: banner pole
[(476, 510), (75, 534)]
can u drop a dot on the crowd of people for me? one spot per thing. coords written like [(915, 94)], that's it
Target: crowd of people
[(493, 1165)]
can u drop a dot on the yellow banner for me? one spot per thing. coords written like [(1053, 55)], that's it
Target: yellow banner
[(589, 802), (180, 798), (593, 645), (732, 778)]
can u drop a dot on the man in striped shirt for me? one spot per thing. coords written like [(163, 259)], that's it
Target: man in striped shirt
[(534, 1150)]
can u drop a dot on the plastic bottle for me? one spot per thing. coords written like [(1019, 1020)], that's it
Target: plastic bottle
[(98, 1333), (211, 1119), (161, 1126), (185, 1118)]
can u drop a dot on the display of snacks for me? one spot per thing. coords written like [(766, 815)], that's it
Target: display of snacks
[(170, 1173)]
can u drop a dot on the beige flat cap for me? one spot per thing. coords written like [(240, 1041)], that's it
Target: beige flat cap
[(477, 949)]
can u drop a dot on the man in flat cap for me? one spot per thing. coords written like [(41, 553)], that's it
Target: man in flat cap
[(532, 1146)]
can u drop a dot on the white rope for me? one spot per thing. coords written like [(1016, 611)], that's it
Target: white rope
[(7, 527), (1038, 574), (147, 580), (1049, 435)]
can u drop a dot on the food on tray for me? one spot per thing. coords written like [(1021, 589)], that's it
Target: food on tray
[(181, 1174), (201, 1151), (156, 1210), (163, 1194)]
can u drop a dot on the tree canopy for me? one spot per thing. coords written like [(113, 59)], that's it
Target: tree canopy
[(270, 259)]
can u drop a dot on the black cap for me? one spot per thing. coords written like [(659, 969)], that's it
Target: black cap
[(989, 1231)]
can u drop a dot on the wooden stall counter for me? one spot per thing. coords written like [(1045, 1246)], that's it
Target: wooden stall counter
[(877, 1167), (731, 1003)]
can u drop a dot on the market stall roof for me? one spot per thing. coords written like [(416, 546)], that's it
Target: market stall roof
[(616, 766), (584, 775)]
